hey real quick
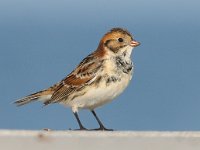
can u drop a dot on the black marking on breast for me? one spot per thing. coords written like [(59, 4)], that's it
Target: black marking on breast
[(123, 65), (112, 79), (98, 80)]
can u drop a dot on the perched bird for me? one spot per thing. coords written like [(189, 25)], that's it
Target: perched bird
[(97, 80)]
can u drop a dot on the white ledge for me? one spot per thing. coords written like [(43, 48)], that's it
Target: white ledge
[(98, 140)]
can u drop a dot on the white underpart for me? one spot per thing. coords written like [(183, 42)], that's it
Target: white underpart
[(98, 96), (45, 98)]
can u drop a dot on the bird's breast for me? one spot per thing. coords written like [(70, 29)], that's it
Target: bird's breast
[(109, 84)]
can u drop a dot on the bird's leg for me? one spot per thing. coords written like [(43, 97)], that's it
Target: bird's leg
[(100, 123), (79, 122)]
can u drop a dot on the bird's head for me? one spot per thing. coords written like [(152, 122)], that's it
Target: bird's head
[(117, 40)]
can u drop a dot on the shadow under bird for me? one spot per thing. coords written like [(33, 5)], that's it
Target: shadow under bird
[(97, 80)]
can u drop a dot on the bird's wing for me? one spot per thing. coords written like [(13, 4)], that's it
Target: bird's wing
[(83, 75)]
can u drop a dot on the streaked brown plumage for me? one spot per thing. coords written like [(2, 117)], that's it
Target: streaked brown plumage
[(97, 80)]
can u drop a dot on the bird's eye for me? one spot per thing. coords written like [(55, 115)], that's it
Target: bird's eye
[(120, 39)]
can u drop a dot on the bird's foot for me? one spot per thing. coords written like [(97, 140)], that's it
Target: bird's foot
[(102, 128)]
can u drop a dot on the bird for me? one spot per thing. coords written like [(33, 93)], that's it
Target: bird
[(98, 79)]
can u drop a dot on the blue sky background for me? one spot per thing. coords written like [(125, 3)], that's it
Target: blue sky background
[(41, 41)]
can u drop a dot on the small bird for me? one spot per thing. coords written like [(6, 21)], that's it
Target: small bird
[(97, 80)]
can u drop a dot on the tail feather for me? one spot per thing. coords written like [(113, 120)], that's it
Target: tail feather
[(25, 100), (42, 95)]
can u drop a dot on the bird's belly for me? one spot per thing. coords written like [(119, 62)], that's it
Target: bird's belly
[(98, 96)]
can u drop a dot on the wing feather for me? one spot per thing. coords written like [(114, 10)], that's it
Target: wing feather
[(83, 75)]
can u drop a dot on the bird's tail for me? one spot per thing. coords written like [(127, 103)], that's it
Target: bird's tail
[(44, 95)]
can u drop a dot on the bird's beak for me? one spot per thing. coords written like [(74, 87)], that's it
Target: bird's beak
[(134, 43)]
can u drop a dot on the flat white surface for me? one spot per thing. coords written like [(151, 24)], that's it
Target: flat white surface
[(98, 140)]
